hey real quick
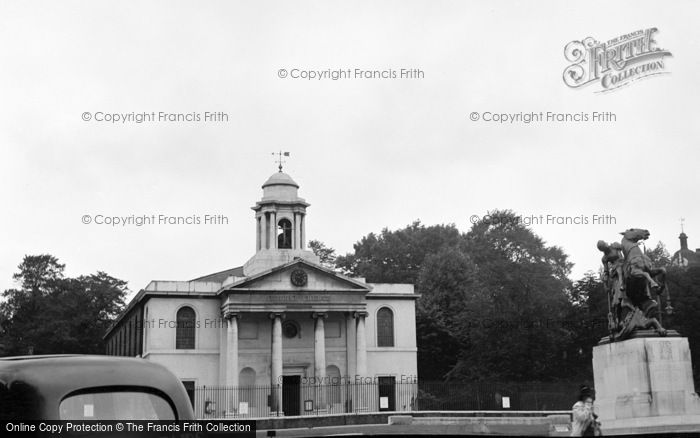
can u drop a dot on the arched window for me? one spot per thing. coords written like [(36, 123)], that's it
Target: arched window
[(385, 327), (184, 333), (284, 237)]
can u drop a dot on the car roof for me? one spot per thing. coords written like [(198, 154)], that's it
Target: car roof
[(56, 376), (65, 369)]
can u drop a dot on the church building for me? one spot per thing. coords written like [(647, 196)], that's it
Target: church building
[(277, 324), (685, 256)]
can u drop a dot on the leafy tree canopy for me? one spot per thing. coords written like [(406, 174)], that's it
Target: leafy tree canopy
[(396, 256), (325, 254), (493, 301), (49, 313)]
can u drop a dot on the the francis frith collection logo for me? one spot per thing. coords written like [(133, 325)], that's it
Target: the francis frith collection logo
[(616, 62)]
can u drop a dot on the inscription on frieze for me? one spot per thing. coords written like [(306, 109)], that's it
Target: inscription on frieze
[(298, 298)]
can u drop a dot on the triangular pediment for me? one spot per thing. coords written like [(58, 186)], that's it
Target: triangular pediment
[(298, 276)]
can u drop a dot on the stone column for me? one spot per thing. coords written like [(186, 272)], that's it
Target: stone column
[(320, 359), (232, 349), (273, 230), (362, 394), (263, 231), (297, 231), (350, 361), (319, 345), (302, 231), (350, 349), (276, 365), (232, 360), (361, 341), (258, 225)]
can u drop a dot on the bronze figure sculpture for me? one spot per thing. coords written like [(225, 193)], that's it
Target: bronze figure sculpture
[(630, 279)]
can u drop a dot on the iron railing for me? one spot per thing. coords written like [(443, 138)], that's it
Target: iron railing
[(322, 399)]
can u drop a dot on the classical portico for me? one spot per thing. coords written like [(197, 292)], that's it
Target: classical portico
[(295, 291)]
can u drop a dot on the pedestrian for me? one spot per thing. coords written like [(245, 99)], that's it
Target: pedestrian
[(585, 421)]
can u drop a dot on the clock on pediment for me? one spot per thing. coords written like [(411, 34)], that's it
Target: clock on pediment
[(299, 277)]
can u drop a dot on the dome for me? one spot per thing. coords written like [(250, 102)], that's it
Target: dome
[(280, 179), (280, 187), (684, 257)]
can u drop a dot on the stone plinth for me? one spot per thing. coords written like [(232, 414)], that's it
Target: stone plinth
[(645, 385)]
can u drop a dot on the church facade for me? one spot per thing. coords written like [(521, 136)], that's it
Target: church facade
[(281, 321)]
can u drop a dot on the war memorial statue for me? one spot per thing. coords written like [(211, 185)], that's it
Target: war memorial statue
[(642, 371), (630, 279)]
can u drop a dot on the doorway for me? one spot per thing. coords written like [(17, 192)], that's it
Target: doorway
[(387, 393), (291, 395), (190, 390)]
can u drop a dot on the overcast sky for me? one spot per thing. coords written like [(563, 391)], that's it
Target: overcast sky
[(368, 153)]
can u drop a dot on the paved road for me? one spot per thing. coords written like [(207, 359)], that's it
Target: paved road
[(385, 429)]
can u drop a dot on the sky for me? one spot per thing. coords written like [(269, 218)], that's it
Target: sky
[(368, 152)]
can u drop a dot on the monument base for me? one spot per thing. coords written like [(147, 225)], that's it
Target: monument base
[(645, 385)]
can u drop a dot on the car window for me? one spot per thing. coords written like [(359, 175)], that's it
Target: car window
[(117, 405)]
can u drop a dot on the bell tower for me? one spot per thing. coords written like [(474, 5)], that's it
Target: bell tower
[(280, 225)]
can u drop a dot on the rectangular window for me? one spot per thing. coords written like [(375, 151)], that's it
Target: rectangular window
[(115, 405)]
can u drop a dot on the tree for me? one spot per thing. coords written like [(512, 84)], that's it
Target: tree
[(39, 274), (50, 313), (325, 254), (396, 256), (21, 308), (493, 301), (684, 288), (520, 334), (451, 299), (659, 256), (587, 322)]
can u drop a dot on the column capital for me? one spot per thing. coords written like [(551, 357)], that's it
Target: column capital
[(362, 314), (229, 315), (317, 315), (273, 315)]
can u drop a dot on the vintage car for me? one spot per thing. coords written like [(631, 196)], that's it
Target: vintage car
[(75, 387)]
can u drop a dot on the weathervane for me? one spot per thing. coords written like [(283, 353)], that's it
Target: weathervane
[(682, 221), (279, 160)]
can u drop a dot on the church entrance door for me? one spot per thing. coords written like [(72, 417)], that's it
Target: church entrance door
[(291, 395)]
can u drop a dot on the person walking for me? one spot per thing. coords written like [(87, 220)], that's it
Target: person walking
[(585, 421)]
